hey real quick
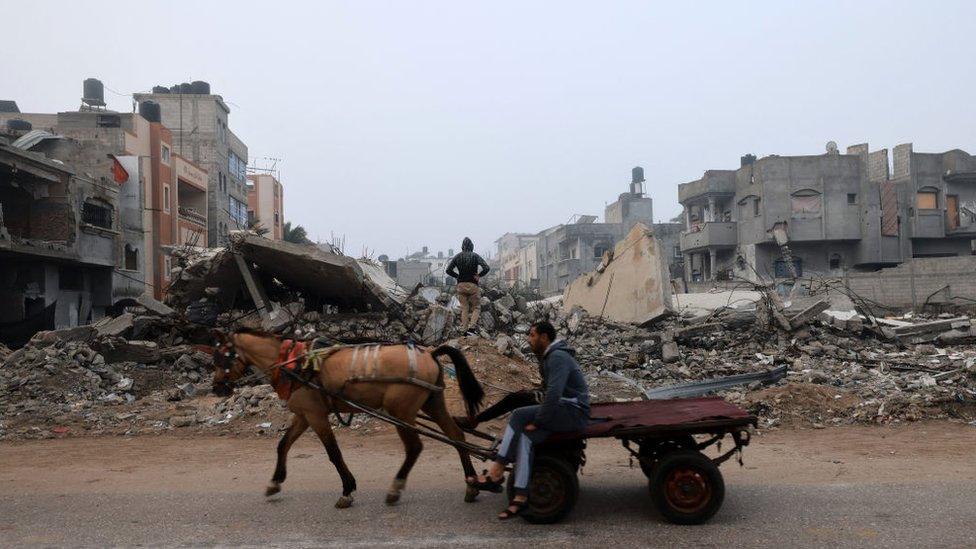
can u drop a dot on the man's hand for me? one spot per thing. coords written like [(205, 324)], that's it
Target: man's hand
[(530, 427)]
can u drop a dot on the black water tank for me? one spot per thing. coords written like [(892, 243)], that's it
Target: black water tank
[(94, 92), (17, 124), (186, 88), (160, 89), (637, 175), (200, 87), (747, 160), (175, 89), (150, 111)]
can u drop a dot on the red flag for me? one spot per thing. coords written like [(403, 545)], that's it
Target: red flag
[(119, 172)]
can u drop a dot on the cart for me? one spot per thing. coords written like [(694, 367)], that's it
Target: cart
[(685, 484)]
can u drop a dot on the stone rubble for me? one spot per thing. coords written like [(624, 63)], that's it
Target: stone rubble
[(143, 372)]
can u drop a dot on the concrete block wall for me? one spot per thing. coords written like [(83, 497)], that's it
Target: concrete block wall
[(913, 282)]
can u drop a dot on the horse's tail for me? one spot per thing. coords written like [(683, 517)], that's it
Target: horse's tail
[(471, 390)]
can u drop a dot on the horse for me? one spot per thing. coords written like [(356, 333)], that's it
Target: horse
[(400, 379)]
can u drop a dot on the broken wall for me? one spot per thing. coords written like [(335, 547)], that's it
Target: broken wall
[(631, 286)]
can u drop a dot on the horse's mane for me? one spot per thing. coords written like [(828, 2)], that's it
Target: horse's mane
[(255, 332)]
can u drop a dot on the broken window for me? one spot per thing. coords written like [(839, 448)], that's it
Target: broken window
[(131, 258), (927, 199), (805, 201), (755, 207), (97, 213), (599, 250), (782, 270)]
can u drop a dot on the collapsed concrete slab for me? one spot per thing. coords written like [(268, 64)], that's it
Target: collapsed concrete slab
[(337, 280), (630, 285)]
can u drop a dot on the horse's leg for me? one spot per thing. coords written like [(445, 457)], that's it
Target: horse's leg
[(436, 408), (413, 446), (320, 424), (295, 430)]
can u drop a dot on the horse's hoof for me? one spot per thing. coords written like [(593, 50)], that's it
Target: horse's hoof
[(344, 502), (272, 489), (471, 494), (392, 497)]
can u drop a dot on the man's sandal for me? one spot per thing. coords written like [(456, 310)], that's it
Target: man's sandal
[(519, 507), (488, 485)]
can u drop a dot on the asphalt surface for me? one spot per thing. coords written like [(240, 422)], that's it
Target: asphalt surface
[(170, 491)]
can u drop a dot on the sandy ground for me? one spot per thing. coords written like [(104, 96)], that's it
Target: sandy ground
[(908, 486)]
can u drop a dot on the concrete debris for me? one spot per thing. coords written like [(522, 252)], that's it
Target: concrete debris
[(149, 371), (631, 285)]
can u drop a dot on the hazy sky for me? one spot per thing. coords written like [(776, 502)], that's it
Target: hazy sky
[(410, 123)]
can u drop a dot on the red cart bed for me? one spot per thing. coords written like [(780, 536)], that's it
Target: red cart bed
[(685, 484)]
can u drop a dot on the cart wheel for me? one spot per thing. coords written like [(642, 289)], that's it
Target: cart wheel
[(553, 490), (687, 487)]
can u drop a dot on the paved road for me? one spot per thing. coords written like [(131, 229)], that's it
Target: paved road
[(808, 489)]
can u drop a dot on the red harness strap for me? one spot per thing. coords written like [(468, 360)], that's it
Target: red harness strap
[(288, 357)]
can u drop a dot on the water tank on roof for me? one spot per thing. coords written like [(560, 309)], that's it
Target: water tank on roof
[(17, 124), (160, 89), (93, 92), (637, 175), (175, 88), (186, 88), (150, 111), (200, 87), (747, 160)]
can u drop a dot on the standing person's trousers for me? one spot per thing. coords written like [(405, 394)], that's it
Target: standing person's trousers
[(517, 446), (469, 295)]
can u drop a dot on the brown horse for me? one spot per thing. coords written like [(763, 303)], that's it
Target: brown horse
[(374, 376)]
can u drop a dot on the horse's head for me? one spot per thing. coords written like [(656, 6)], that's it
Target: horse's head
[(228, 364)]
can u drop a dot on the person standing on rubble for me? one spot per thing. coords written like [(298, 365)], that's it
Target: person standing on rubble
[(468, 268)]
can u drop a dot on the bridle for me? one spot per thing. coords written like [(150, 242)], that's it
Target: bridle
[(228, 353)]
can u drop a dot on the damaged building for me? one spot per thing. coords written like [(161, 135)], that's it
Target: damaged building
[(785, 216), (58, 244), (551, 259)]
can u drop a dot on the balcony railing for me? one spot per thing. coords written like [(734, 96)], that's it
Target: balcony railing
[(193, 216), (710, 234)]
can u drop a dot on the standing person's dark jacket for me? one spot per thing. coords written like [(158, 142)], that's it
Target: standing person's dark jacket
[(564, 384), (465, 265)]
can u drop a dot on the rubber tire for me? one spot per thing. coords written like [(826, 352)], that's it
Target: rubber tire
[(557, 472), (700, 464)]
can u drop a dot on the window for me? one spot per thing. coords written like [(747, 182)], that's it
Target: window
[(238, 212), (97, 214), (852, 198), (165, 154), (782, 270), (251, 218), (927, 199), (108, 121), (166, 198), (131, 258), (806, 201), (236, 167), (277, 222), (167, 267), (755, 207), (834, 262), (599, 250), (677, 252)]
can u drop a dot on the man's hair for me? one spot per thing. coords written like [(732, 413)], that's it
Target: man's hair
[(544, 327)]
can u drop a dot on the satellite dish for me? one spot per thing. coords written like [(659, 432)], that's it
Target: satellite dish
[(831, 147)]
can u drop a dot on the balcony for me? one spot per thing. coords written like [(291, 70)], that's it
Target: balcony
[(715, 234), (715, 182), (191, 215), (567, 267)]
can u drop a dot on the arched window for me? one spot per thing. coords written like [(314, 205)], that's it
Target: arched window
[(806, 201), (835, 261)]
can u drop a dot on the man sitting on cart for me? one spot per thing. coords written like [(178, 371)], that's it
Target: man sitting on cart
[(565, 407)]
